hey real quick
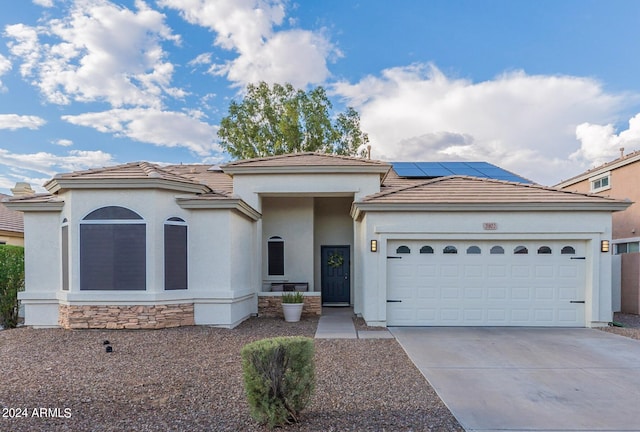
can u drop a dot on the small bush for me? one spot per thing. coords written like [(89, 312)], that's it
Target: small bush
[(294, 297), (11, 281), (279, 378)]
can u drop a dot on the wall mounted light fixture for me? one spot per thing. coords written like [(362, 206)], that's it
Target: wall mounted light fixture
[(604, 246), (374, 245)]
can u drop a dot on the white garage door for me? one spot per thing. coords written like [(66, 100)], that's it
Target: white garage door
[(509, 283)]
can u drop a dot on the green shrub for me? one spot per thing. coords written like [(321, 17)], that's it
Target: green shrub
[(279, 378), (293, 297), (11, 281)]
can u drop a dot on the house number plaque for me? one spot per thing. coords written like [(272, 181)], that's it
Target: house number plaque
[(490, 226)]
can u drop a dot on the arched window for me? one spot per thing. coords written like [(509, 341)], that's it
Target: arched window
[(473, 250), (544, 250), (275, 256), (568, 250), (520, 250), (175, 254), (403, 250), (426, 250), (497, 250), (113, 247), (450, 250)]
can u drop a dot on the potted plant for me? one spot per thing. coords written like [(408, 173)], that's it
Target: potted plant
[(292, 304)]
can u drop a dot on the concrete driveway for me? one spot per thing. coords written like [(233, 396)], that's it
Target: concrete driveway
[(530, 379)]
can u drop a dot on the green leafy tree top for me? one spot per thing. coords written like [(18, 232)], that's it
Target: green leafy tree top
[(280, 119)]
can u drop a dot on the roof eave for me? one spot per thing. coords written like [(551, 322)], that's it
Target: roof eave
[(360, 207), (611, 166), (236, 204), (381, 170), (57, 184), (26, 206)]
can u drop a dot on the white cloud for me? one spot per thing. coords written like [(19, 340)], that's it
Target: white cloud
[(15, 121), (600, 144), (100, 52), (5, 66), (44, 3), (63, 142), (22, 164), (264, 54), (162, 128), (525, 123)]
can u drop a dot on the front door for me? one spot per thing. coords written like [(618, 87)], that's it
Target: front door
[(336, 283)]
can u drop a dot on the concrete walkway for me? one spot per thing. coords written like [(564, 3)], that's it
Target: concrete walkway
[(337, 323), (530, 379)]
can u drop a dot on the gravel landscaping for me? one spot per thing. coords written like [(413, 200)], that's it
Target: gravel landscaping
[(189, 379), (631, 325)]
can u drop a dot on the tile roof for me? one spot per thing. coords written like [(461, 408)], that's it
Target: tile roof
[(304, 159), (216, 180), (473, 190), (132, 170), (10, 220)]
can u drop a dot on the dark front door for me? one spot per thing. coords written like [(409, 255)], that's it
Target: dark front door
[(336, 283)]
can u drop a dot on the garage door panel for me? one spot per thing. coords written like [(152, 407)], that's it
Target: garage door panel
[(476, 289)]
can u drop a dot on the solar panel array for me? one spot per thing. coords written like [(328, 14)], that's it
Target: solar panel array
[(443, 169)]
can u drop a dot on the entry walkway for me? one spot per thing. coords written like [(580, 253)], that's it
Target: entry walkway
[(337, 323)]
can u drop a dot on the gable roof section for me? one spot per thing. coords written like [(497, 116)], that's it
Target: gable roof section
[(10, 220), (309, 162), (609, 166), (35, 202), (462, 193), (134, 175)]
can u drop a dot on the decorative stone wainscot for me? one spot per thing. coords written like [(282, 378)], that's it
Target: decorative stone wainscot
[(125, 317), (270, 304)]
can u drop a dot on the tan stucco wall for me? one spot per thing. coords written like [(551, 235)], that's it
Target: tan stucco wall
[(11, 238), (624, 183)]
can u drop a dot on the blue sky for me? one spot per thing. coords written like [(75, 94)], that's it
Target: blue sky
[(544, 88)]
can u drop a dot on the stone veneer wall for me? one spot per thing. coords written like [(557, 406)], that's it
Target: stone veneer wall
[(271, 306), (126, 317)]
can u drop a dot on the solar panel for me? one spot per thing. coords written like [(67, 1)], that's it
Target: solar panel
[(407, 169), (442, 169)]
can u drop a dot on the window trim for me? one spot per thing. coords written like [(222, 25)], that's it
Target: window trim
[(176, 222), (274, 240), (599, 178), (138, 221)]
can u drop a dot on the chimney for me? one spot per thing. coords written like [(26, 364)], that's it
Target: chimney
[(369, 151), (621, 152), (22, 189)]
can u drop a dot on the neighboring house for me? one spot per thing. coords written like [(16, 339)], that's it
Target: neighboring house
[(144, 246), (11, 227), (619, 179)]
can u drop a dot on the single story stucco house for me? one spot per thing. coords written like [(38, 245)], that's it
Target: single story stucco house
[(147, 246)]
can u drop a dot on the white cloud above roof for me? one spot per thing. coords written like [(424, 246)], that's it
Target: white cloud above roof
[(161, 128), (15, 121), (519, 121), (248, 28), (98, 52), (600, 144)]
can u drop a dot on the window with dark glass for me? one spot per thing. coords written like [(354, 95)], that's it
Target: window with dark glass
[(473, 250), (496, 250), (544, 250), (64, 242), (426, 250), (113, 250), (403, 250), (450, 250), (520, 250), (175, 254), (568, 250), (275, 256)]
